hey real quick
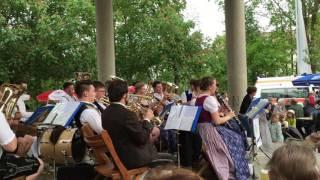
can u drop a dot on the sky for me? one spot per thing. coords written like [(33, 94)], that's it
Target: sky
[(207, 15)]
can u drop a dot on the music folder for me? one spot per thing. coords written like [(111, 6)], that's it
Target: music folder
[(63, 113), (183, 117), (40, 113)]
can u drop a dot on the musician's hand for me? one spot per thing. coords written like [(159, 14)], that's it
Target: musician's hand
[(149, 114), (231, 114)]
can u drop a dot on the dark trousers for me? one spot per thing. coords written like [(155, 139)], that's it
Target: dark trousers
[(190, 148)]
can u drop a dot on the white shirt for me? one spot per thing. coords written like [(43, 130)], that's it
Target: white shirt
[(158, 96), (61, 96), (93, 118), (6, 134), (210, 104), (22, 107)]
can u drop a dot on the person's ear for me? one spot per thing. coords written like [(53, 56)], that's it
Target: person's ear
[(125, 96), (85, 93)]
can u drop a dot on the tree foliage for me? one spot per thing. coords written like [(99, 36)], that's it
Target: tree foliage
[(45, 41)]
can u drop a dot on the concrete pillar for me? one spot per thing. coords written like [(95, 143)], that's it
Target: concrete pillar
[(236, 51), (105, 39)]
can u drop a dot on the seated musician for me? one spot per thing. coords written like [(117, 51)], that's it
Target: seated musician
[(65, 95), (21, 106), (140, 89), (130, 135), (90, 113), (100, 93), (224, 147), (12, 165)]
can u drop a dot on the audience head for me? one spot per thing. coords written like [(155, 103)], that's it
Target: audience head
[(281, 102), (100, 89), (293, 162), (290, 113), (157, 87), (294, 101), (140, 88), (194, 84), (275, 117), (208, 84), (251, 91), (171, 173), (85, 91), (68, 87), (117, 90)]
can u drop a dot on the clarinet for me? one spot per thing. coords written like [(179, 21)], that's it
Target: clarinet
[(235, 119)]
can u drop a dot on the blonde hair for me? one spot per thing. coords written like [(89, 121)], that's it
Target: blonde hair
[(293, 162), (171, 173)]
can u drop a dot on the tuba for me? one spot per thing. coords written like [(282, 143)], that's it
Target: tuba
[(10, 94), (116, 78), (82, 76)]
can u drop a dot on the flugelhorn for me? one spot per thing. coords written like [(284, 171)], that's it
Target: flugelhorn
[(104, 100)]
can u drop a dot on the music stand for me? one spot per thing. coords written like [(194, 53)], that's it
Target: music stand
[(185, 118), (256, 107)]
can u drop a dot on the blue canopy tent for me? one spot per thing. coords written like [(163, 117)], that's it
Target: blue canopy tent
[(306, 80)]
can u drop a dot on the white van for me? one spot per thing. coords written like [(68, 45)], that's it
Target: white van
[(281, 87)]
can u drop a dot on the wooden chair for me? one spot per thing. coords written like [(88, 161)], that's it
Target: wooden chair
[(102, 144)]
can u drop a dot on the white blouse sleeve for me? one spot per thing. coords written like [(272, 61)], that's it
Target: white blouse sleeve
[(6, 134), (211, 104)]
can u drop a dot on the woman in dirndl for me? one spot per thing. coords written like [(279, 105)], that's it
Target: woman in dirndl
[(224, 147)]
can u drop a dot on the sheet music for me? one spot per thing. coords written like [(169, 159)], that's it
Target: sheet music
[(174, 120), (187, 116), (61, 113), (256, 131)]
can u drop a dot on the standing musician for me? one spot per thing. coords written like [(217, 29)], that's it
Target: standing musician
[(224, 147), (191, 143), (90, 114), (130, 135), (12, 164), (100, 93), (65, 95)]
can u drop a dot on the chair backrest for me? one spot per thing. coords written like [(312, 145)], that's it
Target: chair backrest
[(108, 141), (101, 144), (96, 143)]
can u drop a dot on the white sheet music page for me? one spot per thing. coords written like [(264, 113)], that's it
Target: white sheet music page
[(61, 113), (187, 116), (174, 120)]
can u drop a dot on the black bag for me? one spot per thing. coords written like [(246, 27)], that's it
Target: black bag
[(76, 172)]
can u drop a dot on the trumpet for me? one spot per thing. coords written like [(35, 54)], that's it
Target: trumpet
[(104, 100)]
